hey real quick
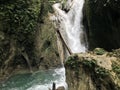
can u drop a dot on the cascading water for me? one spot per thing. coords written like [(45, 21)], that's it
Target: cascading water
[(69, 24)]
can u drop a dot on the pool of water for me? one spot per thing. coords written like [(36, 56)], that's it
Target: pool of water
[(41, 80)]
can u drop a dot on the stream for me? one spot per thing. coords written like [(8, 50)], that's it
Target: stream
[(40, 80)]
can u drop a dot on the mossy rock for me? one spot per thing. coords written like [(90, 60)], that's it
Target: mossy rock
[(86, 73), (99, 51)]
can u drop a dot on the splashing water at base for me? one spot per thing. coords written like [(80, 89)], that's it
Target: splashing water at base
[(41, 80)]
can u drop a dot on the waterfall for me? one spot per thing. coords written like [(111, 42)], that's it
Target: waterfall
[(69, 23)]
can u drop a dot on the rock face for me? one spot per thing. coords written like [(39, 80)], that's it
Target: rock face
[(27, 37), (18, 20), (91, 71), (101, 20), (46, 51)]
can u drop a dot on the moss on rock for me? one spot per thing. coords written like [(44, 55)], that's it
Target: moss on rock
[(90, 71)]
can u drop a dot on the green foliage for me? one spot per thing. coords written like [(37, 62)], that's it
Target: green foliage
[(99, 51), (115, 53), (19, 18), (116, 68), (18, 21), (101, 72), (89, 64), (73, 62)]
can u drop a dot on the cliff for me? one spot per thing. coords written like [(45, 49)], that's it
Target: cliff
[(97, 70), (27, 37)]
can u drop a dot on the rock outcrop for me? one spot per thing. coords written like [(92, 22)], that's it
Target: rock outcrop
[(93, 71), (46, 51)]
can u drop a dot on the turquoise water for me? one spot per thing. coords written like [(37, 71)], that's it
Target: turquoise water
[(41, 80)]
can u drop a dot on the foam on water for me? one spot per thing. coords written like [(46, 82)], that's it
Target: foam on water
[(41, 80), (59, 81)]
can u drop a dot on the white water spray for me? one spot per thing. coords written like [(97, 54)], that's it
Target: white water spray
[(70, 24), (58, 76)]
